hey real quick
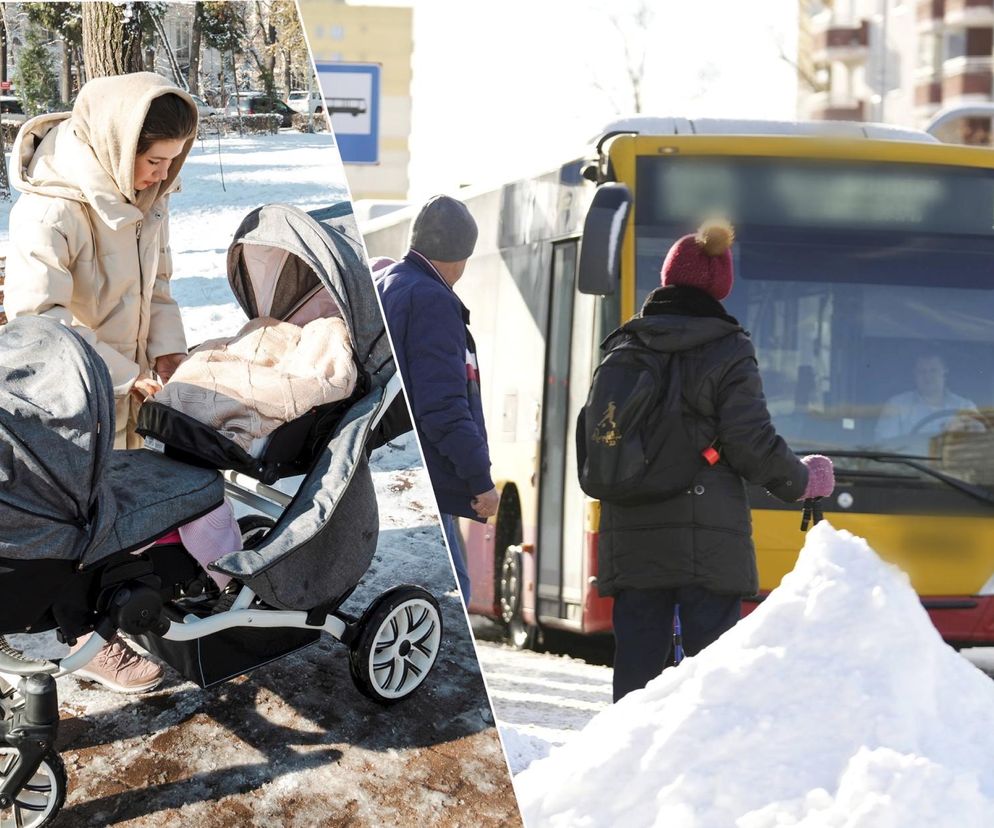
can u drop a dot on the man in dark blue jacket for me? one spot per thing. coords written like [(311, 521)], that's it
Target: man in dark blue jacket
[(437, 359)]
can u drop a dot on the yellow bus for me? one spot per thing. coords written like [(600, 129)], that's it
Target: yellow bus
[(864, 266)]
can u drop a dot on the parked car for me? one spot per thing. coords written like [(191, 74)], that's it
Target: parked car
[(204, 109), (256, 103), (11, 110), (305, 102)]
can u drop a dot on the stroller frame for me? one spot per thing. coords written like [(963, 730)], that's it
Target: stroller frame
[(393, 646)]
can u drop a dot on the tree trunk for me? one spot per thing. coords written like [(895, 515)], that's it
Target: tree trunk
[(160, 30), (3, 49), (238, 97), (77, 61), (288, 68), (65, 85), (193, 77), (112, 42), (271, 48)]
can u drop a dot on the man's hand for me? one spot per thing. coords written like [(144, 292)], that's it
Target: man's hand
[(166, 364), (144, 387), (485, 505)]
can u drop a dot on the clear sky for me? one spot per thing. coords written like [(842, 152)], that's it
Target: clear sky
[(510, 88)]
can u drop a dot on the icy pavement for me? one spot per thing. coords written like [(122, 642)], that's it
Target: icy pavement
[(294, 744), (835, 703), (540, 700)]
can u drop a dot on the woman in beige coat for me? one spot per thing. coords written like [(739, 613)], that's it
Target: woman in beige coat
[(89, 246), (89, 234)]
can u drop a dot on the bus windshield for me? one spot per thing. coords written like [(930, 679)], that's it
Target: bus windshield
[(873, 323)]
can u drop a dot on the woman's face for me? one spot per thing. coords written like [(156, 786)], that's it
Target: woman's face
[(152, 166)]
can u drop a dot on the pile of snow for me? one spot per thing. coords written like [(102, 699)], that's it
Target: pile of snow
[(522, 748), (835, 703)]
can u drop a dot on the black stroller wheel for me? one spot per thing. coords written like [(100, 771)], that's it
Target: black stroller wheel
[(254, 529), (41, 799), (400, 634)]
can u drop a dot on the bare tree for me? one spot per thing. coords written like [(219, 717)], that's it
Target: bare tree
[(160, 32), (263, 46), (3, 47), (193, 76), (112, 39), (636, 47), (631, 27), (291, 44), (808, 79)]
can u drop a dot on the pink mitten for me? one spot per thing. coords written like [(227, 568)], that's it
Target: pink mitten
[(821, 476)]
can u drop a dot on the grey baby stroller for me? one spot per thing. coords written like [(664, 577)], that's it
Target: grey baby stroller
[(77, 517)]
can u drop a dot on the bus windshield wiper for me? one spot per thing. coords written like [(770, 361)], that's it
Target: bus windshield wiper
[(913, 461)]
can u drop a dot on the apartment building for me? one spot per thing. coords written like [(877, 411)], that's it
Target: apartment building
[(897, 61)]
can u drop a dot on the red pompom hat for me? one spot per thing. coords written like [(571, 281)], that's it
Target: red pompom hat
[(702, 260)]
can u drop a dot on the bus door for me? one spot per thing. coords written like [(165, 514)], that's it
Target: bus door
[(560, 573)]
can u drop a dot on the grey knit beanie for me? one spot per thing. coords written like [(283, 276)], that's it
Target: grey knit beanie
[(444, 230)]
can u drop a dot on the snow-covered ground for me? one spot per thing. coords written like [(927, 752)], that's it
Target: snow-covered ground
[(835, 703), (540, 699), (294, 744)]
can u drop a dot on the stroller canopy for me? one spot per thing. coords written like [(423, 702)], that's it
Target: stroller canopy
[(281, 256), (56, 432), (65, 494)]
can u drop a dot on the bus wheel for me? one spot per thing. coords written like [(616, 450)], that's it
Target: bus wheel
[(519, 634)]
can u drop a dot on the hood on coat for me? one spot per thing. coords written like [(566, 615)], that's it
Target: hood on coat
[(678, 318), (88, 155)]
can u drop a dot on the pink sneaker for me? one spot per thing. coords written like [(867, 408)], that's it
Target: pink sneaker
[(118, 667)]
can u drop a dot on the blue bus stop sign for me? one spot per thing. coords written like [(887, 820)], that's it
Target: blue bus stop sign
[(352, 96)]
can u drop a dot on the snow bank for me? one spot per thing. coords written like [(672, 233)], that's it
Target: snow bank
[(835, 703), (522, 748)]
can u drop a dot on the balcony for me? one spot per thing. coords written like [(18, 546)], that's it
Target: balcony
[(843, 43), (824, 106), (928, 95), (969, 13), (930, 14), (967, 80)]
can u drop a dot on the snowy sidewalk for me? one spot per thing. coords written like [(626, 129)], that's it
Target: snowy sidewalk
[(540, 699)]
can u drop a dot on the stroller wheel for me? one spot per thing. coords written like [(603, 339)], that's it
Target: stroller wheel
[(41, 799), (254, 529), (398, 642)]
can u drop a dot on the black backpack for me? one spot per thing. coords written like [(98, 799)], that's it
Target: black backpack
[(631, 444)]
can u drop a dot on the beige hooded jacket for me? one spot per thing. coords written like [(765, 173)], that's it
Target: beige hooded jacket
[(85, 247)]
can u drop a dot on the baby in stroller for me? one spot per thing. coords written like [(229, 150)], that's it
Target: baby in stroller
[(75, 554)]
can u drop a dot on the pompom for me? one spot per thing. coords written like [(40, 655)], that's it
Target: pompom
[(715, 237)]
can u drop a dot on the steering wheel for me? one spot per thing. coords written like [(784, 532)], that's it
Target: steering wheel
[(976, 416)]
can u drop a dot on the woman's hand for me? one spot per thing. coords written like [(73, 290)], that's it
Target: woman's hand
[(166, 364), (144, 387), (821, 476)]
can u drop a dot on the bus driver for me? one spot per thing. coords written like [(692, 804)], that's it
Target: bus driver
[(930, 409)]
